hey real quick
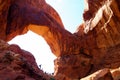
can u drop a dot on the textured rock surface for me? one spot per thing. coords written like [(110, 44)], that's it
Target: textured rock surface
[(16, 15), (102, 40), (73, 66), (17, 64), (99, 38), (104, 74), (94, 46)]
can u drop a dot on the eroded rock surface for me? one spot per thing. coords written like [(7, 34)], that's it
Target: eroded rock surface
[(94, 46), (99, 38), (17, 64)]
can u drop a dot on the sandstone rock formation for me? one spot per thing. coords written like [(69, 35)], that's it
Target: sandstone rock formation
[(104, 74), (18, 64), (94, 46), (99, 38)]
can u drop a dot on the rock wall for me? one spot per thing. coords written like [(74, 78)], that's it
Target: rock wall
[(95, 46), (99, 41)]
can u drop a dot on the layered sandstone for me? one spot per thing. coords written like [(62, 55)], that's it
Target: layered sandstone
[(94, 46)]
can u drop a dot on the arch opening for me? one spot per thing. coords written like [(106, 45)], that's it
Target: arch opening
[(38, 47), (32, 39)]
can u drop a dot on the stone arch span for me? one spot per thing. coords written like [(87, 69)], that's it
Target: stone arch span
[(96, 45), (42, 19)]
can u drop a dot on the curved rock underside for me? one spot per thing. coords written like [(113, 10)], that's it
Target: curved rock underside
[(95, 46)]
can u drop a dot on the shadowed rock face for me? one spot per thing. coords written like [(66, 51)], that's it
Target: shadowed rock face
[(94, 46), (18, 64)]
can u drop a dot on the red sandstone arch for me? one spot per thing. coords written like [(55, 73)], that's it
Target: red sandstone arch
[(94, 46)]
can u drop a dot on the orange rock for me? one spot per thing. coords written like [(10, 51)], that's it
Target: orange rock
[(95, 45), (115, 73), (103, 74)]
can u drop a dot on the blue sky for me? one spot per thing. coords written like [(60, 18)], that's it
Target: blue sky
[(70, 12)]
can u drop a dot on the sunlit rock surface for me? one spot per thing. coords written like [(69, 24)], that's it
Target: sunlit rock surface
[(94, 47)]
